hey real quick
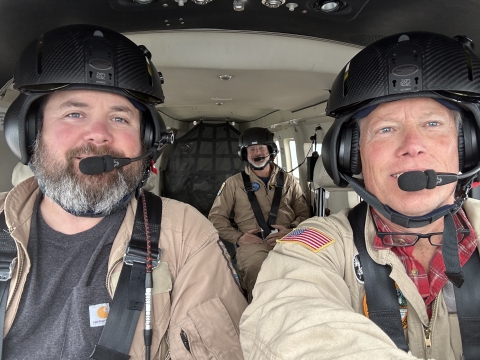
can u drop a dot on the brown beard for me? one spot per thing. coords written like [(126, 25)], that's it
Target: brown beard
[(62, 181)]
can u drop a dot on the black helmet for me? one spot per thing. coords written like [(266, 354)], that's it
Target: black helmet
[(83, 57), (408, 65), (256, 136), (413, 64)]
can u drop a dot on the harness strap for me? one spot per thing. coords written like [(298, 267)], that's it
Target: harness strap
[(257, 211), (385, 302), (380, 289), (276, 199), (8, 255), (128, 300), (467, 299)]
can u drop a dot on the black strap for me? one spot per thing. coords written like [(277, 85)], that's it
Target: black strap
[(129, 298), (467, 299), (276, 199), (257, 211), (8, 254), (382, 300)]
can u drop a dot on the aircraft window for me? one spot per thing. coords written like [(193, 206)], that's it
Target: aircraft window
[(278, 158), (294, 159)]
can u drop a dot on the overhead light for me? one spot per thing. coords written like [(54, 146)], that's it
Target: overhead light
[(194, 122), (273, 3), (291, 6), (181, 2), (225, 77), (143, 2), (201, 2), (329, 6), (233, 123), (219, 103), (221, 99), (238, 5)]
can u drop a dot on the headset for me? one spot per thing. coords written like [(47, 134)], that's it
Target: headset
[(429, 65), (256, 136), (84, 57)]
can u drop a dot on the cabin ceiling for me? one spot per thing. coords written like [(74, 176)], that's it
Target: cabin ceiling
[(282, 62)]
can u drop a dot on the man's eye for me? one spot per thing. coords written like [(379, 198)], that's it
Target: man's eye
[(385, 130), (119, 119), (433, 123), (74, 115)]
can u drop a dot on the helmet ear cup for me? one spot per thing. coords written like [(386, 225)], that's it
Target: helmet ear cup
[(348, 150), (461, 148), (32, 126), (468, 146), (148, 133)]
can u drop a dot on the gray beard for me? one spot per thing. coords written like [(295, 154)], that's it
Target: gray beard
[(261, 167), (63, 183)]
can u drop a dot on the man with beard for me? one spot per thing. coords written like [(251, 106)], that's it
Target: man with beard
[(83, 229), (397, 276), (271, 190)]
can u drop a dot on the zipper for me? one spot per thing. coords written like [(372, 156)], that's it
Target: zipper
[(109, 273), (427, 331), (20, 270), (184, 337)]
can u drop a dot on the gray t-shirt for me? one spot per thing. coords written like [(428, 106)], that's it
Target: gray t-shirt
[(65, 299)]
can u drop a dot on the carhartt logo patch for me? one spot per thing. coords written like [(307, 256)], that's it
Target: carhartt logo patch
[(311, 238), (98, 314)]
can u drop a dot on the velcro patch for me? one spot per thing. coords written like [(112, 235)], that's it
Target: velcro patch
[(311, 238)]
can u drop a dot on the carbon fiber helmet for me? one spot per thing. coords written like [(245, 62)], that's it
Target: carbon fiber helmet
[(256, 136), (83, 57), (412, 64)]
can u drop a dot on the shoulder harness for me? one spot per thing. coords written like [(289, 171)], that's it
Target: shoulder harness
[(129, 297), (272, 218), (383, 303)]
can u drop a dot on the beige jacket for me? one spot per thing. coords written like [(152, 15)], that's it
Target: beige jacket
[(204, 300), (308, 305), (232, 196)]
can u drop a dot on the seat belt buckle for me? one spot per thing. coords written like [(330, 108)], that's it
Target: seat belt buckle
[(134, 254), (6, 272)]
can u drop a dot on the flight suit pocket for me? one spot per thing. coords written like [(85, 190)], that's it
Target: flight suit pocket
[(208, 333)]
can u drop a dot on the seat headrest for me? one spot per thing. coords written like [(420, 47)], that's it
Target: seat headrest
[(321, 179)]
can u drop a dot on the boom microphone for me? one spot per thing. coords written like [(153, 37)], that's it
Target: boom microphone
[(428, 179), (264, 157), (97, 164)]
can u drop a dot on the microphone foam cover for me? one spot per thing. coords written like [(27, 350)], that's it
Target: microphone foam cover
[(92, 165), (413, 181)]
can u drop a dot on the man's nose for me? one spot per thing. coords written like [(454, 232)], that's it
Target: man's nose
[(98, 132), (413, 142)]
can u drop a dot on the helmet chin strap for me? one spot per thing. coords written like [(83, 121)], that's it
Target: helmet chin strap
[(449, 237)]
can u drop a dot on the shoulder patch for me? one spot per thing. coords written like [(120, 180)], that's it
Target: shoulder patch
[(221, 188), (357, 268), (311, 238)]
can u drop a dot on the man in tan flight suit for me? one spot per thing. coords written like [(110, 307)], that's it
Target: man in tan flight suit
[(396, 277), (88, 96), (254, 241)]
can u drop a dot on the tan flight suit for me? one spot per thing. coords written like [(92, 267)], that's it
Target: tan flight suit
[(232, 196), (309, 303), (194, 288)]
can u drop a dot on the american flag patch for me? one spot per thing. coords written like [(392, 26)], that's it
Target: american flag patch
[(310, 238)]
